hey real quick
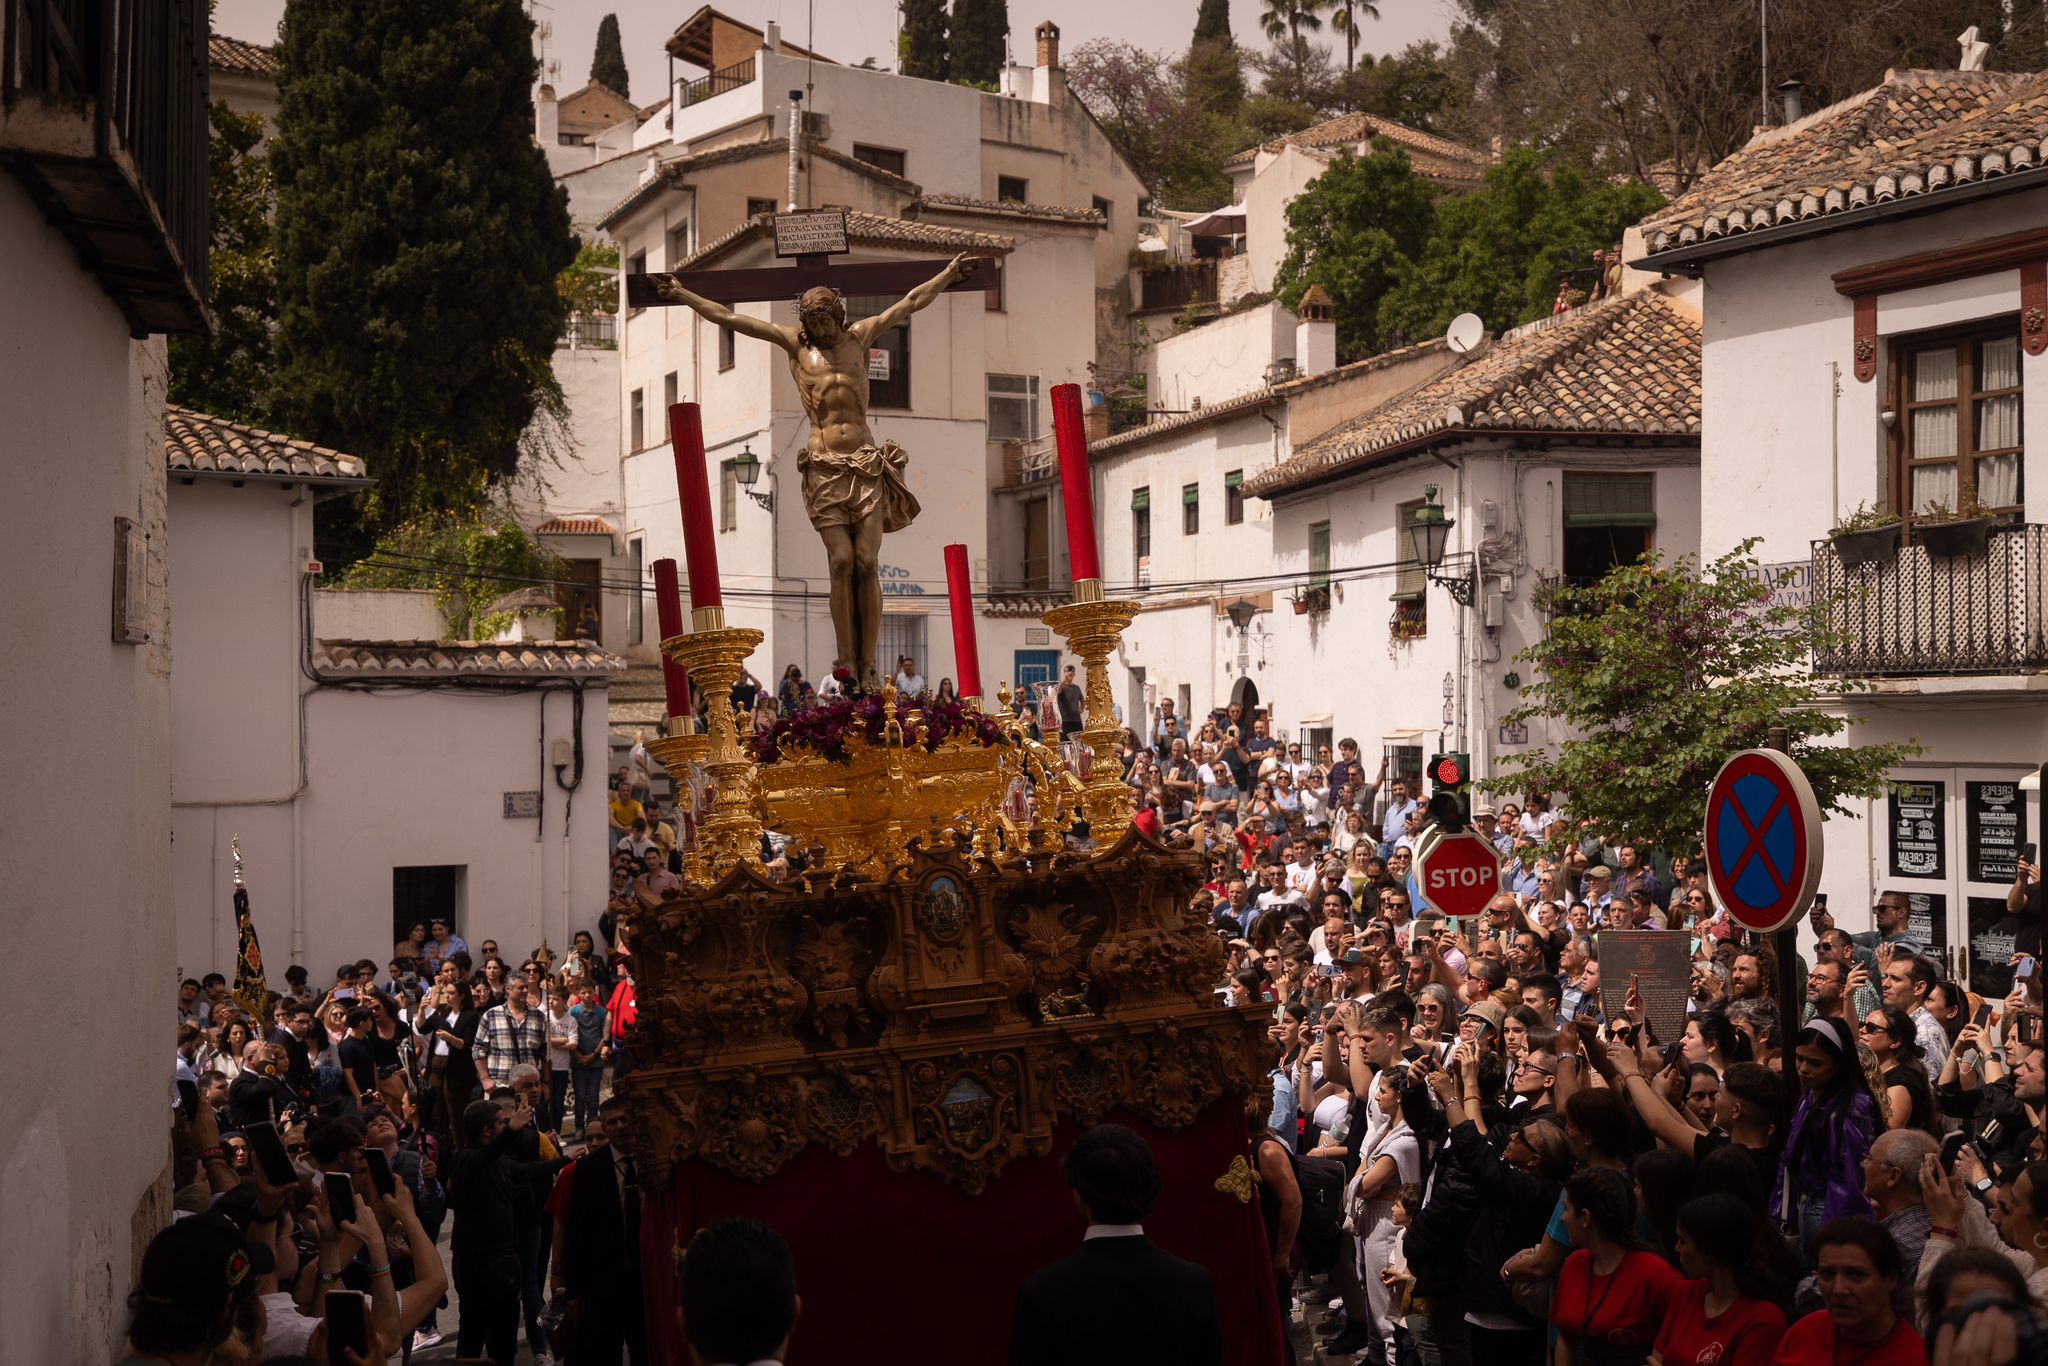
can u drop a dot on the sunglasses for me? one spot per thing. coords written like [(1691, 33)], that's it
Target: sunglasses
[(1868, 1028)]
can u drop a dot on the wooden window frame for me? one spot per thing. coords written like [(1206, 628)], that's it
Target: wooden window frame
[(1233, 497), (637, 418), (1967, 340), (728, 495), (728, 353)]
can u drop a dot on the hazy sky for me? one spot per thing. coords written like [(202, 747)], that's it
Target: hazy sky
[(848, 30)]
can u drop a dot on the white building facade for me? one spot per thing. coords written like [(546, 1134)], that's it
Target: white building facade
[(85, 1165), (1871, 334), (372, 773)]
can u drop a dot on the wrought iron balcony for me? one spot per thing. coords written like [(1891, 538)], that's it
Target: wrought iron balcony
[(103, 117), (718, 82), (1918, 613)]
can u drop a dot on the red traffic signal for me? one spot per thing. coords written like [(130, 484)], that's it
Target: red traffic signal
[(1448, 770)]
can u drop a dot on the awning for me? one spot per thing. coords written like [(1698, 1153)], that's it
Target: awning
[(1141, 499), (1321, 718), (1191, 494), (1151, 244), (1227, 221), (1610, 500)]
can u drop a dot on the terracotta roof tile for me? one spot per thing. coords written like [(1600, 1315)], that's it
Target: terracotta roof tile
[(1252, 399), (574, 526), (440, 659), (196, 444), (241, 59), (1918, 133), (1628, 366), (1010, 208), (1351, 129)]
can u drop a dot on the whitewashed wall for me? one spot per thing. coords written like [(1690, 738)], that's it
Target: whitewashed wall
[(84, 830), (1218, 360)]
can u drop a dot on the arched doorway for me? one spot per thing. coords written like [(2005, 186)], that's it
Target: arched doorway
[(1245, 694)]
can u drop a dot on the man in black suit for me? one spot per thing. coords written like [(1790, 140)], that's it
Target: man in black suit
[(597, 1248), (1119, 1300), (738, 1294)]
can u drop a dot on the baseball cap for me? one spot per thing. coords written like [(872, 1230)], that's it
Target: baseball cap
[(1599, 870), (1352, 957), (198, 1262), (1488, 1011)]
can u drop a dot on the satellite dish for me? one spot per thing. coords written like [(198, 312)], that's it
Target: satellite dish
[(1465, 333)]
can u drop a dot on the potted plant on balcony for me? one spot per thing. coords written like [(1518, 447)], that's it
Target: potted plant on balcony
[(1866, 536), (1954, 531)]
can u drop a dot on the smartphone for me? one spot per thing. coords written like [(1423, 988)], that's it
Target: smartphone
[(341, 1196), (2025, 967), (2029, 853), (188, 1100), (380, 1172), (348, 1324), (1820, 902), (1674, 1054), (268, 1149)]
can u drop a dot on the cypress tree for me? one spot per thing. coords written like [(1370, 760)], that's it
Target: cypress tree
[(419, 235), (922, 49), (979, 30), (608, 63), (1212, 22)]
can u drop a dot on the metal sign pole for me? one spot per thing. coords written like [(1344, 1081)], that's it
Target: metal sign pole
[(1790, 997)]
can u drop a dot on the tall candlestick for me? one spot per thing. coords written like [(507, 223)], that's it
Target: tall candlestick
[(1075, 490), (693, 489), (668, 610), (960, 597)]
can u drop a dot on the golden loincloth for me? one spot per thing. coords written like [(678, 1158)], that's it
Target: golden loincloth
[(847, 489)]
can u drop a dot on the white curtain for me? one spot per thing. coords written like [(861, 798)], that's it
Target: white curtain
[(1934, 375), (1998, 481), (1934, 433), (1932, 485)]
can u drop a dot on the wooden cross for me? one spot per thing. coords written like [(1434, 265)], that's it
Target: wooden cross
[(786, 283)]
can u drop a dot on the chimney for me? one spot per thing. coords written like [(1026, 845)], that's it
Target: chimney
[(1791, 96), (1315, 336), (1048, 82), (547, 117), (771, 37), (1048, 44)]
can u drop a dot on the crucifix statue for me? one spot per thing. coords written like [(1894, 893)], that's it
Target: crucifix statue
[(853, 486)]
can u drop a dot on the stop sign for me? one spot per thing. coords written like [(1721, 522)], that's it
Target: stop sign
[(1458, 874)]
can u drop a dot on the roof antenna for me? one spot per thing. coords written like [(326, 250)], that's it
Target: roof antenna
[(1974, 52)]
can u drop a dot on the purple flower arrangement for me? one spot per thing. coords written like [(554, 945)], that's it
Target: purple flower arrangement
[(828, 728)]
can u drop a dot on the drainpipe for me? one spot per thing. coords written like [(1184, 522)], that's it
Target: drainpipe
[(796, 133)]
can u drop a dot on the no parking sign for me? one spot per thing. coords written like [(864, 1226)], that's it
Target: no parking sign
[(1763, 839)]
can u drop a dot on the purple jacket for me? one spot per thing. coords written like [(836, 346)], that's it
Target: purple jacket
[(1825, 1153)]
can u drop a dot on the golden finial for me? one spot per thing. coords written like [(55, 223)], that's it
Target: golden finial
[(235, 847)]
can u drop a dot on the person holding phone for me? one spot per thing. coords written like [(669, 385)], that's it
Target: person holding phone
[(484, 1191)]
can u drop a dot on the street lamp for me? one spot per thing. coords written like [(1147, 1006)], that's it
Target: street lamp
[(746, 467), (1241, 613), (1429, 531)]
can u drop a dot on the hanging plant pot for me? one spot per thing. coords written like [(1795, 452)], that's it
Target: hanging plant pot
[(1301, 607), (1858, 548), (1964, 536)]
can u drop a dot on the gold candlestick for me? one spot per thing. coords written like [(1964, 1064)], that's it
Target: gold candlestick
[(678, 751), (714, 654), (1093, 626)]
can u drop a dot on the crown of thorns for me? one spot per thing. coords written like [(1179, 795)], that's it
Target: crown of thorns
[(822, 299)]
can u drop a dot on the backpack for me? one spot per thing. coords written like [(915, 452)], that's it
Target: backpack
[(1322, 1182)]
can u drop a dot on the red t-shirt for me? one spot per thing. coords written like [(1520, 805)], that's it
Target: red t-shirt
[(1811, 1342), (558, 1197), (1622, 1310), (1743, 1334)]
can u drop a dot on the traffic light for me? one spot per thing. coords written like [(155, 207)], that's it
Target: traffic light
[(1450, 783)]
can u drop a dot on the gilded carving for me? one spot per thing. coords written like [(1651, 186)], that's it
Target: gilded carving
[(942, 915), (829, 958), (752, 1125)]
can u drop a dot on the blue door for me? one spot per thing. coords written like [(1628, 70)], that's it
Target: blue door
[(1036, 666)]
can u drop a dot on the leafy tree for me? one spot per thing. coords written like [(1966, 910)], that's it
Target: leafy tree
[(1499, 251), (1151, 115), (1657, 674), (608, 62), (923, 51), (466, 559), (419, 235), (1355, 231), (1413, 86), (230, 373), (590, 284), (1213, 71), (1212, 22), (1286, 20), (979, 31)]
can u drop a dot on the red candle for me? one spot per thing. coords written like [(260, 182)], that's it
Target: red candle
[(1075, 490), (693, 489), (960, 597), (668, 610)]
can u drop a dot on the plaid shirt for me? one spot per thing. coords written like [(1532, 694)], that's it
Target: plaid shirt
[(502, 1043)]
